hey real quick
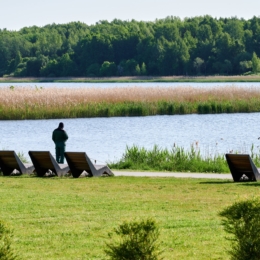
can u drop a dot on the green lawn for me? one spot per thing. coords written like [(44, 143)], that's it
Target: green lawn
[(65, 218)]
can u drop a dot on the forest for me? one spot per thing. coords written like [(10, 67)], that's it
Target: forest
[(165, 47)]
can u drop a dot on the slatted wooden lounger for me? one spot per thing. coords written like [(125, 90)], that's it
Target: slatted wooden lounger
[(242, 167), (79, 162), (43, 161), (9, 161)]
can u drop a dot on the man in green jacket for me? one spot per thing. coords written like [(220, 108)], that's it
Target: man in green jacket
[(59, 137)]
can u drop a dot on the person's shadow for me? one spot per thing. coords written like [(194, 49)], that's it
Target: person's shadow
[(217, 182)]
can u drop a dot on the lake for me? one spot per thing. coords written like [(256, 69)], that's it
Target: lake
[(105, 139)]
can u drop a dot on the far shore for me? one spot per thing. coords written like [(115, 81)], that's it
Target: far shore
[(238, 78)]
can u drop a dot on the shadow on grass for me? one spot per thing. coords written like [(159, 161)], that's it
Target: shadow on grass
[(254, 184), (50, 176), (23, 176), (245, 182), (216, 182)]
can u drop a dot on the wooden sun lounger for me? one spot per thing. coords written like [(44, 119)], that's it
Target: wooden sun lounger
[(43, 161), (79, 162), (242, 167), (9, 162)]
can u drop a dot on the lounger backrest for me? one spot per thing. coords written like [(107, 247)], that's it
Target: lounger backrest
[(78, 160), (42, 159), (242, 164), (9, 159)]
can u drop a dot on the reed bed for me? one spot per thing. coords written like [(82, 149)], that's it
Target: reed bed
[(176, 159), (46, 103)]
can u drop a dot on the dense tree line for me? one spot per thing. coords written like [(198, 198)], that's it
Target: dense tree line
[(171, 46)]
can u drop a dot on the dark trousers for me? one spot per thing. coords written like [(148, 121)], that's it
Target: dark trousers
[(60, 154)]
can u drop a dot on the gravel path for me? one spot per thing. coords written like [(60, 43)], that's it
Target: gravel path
[(175, 174)]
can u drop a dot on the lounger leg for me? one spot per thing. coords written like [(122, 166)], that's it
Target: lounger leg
[(7, 171), (40, 173), (76, 174)]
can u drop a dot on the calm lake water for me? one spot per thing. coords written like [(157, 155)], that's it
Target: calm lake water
[(105, 139)]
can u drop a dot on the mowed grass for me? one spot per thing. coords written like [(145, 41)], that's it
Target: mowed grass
[(65, 218), (44, 103)]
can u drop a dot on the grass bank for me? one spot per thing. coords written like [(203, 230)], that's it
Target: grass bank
[(236, 78), (176, 159), (65, 218), (40, 103)]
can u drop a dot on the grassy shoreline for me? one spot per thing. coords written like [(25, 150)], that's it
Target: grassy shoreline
[(202, 79)]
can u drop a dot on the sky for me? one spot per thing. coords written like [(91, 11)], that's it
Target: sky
[(16, 14)]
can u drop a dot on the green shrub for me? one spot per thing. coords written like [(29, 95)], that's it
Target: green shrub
[(136, 240), (6, 251), (242, 222)]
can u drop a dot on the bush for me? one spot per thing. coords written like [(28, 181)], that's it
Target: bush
[(242, 222), (6, 251), (135, 241)]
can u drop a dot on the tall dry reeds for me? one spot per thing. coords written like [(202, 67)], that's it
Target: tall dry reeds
[(33, 103)]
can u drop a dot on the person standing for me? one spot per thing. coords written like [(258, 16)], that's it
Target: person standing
[(59, 137)]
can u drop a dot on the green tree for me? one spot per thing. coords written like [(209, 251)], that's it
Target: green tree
[(167, 46), (167, 30), (204, 33), (137, 70), (227, 68), (51, 69), (234, 27), (223, 47), (18, 59), (128, 67), (143, 69), (108, 69), (67, 66), (175, 58), (20, 70), (255, 63), (197, 64), (93, 70), (35, 64), (245, 65)]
